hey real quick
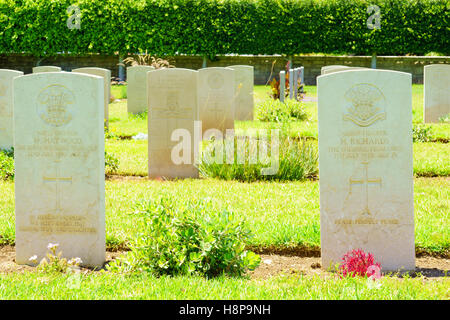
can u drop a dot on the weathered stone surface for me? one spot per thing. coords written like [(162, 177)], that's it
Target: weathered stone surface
[(216, 96), (137, 88), (436, 92), (46, 69), (365, 166), (59, 163), (6, 107), (106, 75), (244, 89), (172, 101)]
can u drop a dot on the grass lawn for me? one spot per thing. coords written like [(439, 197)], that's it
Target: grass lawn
[(280, 215), (144, 286)]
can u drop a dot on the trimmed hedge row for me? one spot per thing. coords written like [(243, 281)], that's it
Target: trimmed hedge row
[(210, 27)]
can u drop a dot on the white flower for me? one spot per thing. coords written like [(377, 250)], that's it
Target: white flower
[(52, 246), (33, 259), (75, 261)]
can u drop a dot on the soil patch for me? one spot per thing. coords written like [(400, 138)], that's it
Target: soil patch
[(271, 265)]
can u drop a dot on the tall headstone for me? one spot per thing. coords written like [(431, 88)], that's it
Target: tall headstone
[(137, 88), (216, 97), (291, 83), (172, 103), (436, 92), (6, 107), (302, 78), (295, 81), (46, 69), (60, 166), (366, 166), (282, 85), (244, 90), (106, 75)]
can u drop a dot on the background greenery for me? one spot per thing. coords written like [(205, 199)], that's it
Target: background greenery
[(210, 27)]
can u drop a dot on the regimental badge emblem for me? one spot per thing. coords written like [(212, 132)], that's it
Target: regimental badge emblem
[(367, 105), (215, 80), (173, 108), (54, 105)]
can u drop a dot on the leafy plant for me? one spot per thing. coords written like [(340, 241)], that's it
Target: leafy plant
[(277, 111), (111, 163), (7, 164), (190, 239), (357, 263), (53, 263), (445, 119), (421, 133)]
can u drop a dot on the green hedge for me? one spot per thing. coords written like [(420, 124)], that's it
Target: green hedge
[(209, 27)]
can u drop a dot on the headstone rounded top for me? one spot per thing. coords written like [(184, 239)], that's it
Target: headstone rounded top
[(241, 66), (437, 66), (9, 71), (362, 73), (140, 67), (46, 69)]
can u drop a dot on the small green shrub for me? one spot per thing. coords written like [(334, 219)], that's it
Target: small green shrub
[(138, 116), (277, 111), (421, 133), (7, 164), (111, 163), (193, 239), (297, 160), (445, 119)]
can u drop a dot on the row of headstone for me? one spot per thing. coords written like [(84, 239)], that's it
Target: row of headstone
[(177, 98), (295, 75), (365, 151), (137, 91)]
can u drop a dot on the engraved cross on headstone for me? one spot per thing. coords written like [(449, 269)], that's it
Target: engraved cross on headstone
[(365, 181), (57, 179), (218, 112)]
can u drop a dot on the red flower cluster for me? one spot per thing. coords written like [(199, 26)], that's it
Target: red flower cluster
[(357, 262)]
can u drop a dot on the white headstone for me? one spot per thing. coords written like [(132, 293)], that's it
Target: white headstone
[(366, 166), (137, 88), (291, 83), (172, 103), (337, 68), (282, 85), (59, 166), (6, 107), (46, 69), (106, 75), (216, 96), (436, 92), (244, 88)]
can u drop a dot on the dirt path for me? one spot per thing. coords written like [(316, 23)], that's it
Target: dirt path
[(271, 265)]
